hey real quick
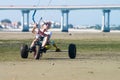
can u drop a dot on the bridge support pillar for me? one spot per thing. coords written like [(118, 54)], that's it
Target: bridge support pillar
[(106, 21), (64, 21), (25, 20)]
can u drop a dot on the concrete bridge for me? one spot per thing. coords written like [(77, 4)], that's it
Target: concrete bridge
[(65, 9)]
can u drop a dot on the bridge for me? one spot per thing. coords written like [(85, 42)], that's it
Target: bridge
[(65, 9)]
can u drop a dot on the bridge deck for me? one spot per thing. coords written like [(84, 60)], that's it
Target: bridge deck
[(57, 7)]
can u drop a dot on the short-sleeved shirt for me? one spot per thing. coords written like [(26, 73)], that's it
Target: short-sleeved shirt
[(41, 35)]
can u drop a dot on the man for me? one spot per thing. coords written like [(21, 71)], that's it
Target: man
[(43, 33)]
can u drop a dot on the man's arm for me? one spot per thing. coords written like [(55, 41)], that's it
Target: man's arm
[(33, 29)]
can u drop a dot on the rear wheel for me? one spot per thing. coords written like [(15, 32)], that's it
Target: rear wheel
[(24, 51), (72, 51)]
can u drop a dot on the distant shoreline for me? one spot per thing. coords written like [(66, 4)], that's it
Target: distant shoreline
[(58, 30)]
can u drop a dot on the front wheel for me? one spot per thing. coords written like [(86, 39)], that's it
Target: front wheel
[(38, 53), (72, 51)]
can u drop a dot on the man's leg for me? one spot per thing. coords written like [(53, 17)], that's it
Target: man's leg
[(32, 44), (45, 40), (54, 45), (57, 49)]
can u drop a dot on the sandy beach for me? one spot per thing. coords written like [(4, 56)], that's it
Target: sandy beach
[(84, 67)]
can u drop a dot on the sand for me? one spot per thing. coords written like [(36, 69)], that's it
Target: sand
[(84, 67)]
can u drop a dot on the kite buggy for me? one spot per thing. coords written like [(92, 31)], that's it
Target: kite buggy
[(38, 51), (41, 43)]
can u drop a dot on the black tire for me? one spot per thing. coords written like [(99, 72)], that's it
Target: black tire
[(72, 51), (38, 53), (24, 51)]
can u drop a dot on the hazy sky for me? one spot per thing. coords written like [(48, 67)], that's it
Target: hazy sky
[(79, 17)]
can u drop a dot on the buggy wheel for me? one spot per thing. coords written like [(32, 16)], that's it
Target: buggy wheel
[(72, 51), (38, 53), (24, 51)]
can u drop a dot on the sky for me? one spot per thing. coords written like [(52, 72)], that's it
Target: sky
[(76, 17)]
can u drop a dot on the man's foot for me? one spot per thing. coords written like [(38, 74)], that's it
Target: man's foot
[(30, 50), (43, 49), (57, 50)]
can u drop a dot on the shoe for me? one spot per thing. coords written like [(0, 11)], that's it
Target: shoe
[(30, 50), (43, 49), (57, 50)]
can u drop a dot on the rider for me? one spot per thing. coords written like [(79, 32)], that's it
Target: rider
[(42, 33)]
